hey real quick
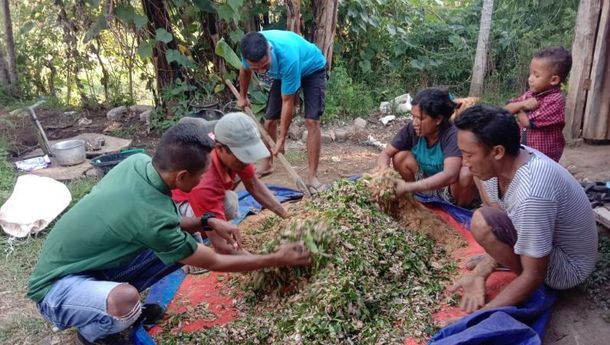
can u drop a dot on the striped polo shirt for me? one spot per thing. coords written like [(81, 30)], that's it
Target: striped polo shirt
[(552, 216)]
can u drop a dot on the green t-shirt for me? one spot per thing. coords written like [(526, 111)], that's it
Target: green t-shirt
[(130, 210)]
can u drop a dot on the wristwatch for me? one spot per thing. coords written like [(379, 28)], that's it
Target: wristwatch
[(204, 221)]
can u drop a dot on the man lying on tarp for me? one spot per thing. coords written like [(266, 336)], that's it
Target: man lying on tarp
[(126, 235), (536, 219)]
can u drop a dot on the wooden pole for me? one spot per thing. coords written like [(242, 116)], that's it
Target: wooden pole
[(271, 143)]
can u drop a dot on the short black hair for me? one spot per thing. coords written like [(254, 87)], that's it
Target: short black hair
[(559, 58), (491, 126), (183, 147), (253, 46), (435, 103)]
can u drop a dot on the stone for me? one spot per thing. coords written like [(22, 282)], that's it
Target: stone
[(327, 136), (116, 113), (360, 123), (304, 136), (341, 135), (140, 108), (295, 132), (83, 121), (145, 116)]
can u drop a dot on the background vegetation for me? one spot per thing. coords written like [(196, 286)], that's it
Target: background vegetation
[(92, 53)]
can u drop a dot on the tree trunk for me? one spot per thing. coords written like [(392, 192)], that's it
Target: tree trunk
[(10, 44), (72, 54), (293, 22), (105, 77), (480, 59), (158, 17), (5, 80), (252, 22), (325, 23)]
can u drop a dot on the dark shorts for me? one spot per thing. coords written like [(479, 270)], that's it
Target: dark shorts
[(314, 93), (501, 226)]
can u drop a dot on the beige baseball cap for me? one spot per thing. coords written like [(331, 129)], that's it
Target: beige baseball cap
[(238, 131)]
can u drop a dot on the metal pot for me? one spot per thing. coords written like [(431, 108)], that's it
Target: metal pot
[(69, 152)]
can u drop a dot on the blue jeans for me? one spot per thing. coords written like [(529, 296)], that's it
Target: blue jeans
[(79, 300)]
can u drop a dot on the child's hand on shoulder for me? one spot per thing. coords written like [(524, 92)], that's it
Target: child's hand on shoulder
[(530, 104)]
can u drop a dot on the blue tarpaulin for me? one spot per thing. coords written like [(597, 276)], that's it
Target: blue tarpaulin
[(520, 325)]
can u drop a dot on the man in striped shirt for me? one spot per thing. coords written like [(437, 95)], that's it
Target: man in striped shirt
[(537, 220)]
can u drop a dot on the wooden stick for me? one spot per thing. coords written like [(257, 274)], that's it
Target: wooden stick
[(271, 143)]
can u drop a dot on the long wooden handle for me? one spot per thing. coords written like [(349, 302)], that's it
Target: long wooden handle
[(271, 143)]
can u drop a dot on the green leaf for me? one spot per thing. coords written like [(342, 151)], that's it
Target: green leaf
[(163, 36), (179, 3), (226, 13), (258, 97), (310, 244), (140, 21), (417, 64), (219, 88), (125, 13), (173, 55), (96, 29), (205, 5), (456, 41), (27, 27), (365, 66), (235, 4), (93, 3), (145, 49), (224, 50), (236, 35)]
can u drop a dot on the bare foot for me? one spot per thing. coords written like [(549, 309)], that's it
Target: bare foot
[(266, 168)]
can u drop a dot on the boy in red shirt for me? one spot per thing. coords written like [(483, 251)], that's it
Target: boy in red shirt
[(238, 145), (541, 110)]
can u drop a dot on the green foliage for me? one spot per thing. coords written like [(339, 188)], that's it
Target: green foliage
[(368, 275), (598, 285), (346, 98), (8, 174)]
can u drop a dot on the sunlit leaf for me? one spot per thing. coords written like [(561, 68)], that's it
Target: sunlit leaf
[(224, 50), (163, 36)]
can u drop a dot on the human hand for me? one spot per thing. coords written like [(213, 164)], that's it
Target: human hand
[(293, 254), (279, 146), (402, 187), (473, 296), (530, 103), (243, 102), (229, 232)]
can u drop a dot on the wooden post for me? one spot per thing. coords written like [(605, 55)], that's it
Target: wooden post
[(582, 56), (596, 125), (480, 59)]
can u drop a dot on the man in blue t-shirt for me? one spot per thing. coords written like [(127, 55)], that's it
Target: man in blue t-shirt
[(293, 63)]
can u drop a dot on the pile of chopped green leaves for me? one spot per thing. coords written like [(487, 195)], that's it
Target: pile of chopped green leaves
[(372, 281)]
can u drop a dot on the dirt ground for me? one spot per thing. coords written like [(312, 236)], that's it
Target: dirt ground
[(574, 321)]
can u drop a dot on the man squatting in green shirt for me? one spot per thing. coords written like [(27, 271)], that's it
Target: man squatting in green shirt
[(127, 234)]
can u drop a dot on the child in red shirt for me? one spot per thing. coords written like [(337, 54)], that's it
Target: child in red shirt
[(541, 110)]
